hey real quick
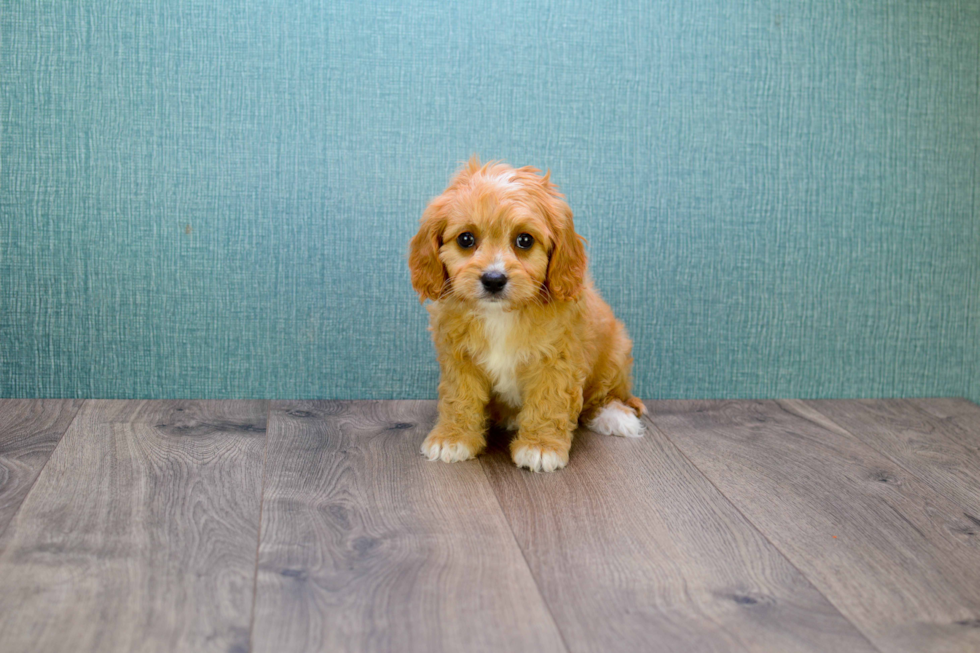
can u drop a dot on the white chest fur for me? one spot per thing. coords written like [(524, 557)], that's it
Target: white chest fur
[(502, 355)]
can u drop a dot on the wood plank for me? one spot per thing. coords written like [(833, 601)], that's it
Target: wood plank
[(962, 414), (634, 550), (935, 451), (140, 533), (872, 537), (366, 546), (29, 431)]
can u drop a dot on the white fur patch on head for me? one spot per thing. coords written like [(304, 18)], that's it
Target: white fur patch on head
[(447, 452), (615, 418), (503, 181), (539, 459)]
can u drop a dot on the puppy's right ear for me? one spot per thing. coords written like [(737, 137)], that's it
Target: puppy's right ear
[(428, 273)]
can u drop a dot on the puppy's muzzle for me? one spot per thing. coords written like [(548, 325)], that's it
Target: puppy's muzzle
[(493, 281)]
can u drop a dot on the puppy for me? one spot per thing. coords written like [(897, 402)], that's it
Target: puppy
[(523, 338)]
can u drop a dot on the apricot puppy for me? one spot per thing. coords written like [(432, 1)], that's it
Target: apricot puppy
[(523, 338)]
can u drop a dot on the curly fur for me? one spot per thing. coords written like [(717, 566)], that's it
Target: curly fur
[(546, 354)]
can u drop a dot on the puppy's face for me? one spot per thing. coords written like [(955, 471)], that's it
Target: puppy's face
[(498, 236), (494, 246)]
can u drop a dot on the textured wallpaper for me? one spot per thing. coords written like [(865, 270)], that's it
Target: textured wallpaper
[(214, 199)]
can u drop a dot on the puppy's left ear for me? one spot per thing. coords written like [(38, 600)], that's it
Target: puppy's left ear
[(568, 262), (428, 273)]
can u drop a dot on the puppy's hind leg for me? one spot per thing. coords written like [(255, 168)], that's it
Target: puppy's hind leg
[(617, 418)]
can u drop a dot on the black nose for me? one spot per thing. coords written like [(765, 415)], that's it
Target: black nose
[(494, 282)]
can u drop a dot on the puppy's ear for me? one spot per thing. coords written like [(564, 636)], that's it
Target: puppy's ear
[(428, 273), (568, 262)]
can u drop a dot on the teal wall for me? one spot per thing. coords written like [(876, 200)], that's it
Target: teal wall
[(213, 199)]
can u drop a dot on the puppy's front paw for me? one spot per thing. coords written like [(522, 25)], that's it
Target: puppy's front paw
[(537, 457), (449, 448)]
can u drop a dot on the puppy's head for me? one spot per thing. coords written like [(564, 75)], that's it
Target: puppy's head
[(498, 235)]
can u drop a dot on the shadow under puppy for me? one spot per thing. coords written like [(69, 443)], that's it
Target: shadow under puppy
[(523, 337)]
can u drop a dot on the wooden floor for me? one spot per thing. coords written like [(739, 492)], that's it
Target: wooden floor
[(316, 526)]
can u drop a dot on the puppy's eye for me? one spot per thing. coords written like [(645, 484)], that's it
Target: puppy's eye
[(524, 241), (466, 240)]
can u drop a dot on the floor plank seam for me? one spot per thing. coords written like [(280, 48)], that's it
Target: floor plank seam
[(41, 471), (846, 432), (258, 544), (667, 562), (751, 523), (527, 564)]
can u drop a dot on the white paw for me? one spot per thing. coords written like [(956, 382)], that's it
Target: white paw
[(539, 459), (445, 450), (616, 419)]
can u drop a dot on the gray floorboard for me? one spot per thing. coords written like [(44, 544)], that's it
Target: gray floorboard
[(140, 533), (731, 526), (936, 452), (29, 431), (367, 546), (870, 535), (635, 550), (961, 415)]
